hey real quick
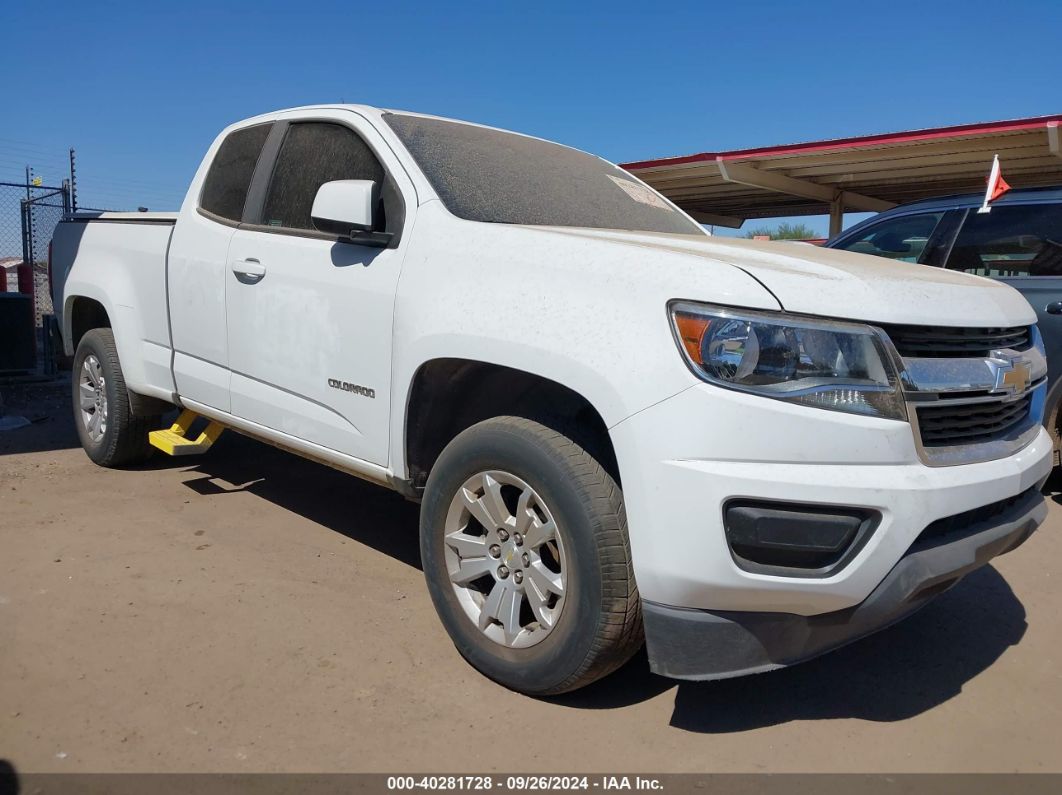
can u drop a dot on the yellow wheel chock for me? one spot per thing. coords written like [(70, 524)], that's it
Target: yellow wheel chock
[(174, 440)]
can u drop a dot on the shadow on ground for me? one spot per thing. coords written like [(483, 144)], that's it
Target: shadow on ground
[(47, 408), (1053, 487), (361, 511), (896, 674), (903, 671), (9, 784)]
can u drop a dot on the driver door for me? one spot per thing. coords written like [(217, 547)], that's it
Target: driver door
[(310, 314)]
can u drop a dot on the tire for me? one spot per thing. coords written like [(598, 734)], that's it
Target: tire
[(584, 634), (116, 437)]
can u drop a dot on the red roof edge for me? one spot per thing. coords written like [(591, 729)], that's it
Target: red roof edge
[(929, 134)]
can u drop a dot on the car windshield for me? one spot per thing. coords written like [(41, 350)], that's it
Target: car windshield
[(504, 178)]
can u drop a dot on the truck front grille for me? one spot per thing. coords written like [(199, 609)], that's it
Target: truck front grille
[(949, 424), (949, 342)]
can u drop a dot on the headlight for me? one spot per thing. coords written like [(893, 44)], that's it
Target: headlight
[(821, 363)]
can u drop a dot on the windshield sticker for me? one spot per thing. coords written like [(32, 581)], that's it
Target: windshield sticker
[(641, 194)]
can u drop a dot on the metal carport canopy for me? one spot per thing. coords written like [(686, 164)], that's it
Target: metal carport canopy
[(868, 173)]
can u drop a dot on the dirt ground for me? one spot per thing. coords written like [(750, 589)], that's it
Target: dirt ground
[(252, 611)]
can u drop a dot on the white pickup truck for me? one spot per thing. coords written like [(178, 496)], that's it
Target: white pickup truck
[(620, 429)]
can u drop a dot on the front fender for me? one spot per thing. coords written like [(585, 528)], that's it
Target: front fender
[(586, 314)]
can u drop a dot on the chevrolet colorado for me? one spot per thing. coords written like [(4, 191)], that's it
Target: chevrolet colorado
[(621, 430)]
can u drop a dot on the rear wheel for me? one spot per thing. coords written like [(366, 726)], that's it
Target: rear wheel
[(525, 551), (110, 433)]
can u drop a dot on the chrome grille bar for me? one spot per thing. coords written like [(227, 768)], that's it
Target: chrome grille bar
[(972, 394)]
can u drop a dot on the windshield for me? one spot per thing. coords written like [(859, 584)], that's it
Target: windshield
[(504, 178)]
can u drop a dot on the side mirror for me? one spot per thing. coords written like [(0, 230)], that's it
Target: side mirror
[(345, 207)]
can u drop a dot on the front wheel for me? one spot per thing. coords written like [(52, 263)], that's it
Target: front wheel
[(110, 433), (525, 552)]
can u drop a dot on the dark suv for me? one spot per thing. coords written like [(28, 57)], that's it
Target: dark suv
[(1019, 242)]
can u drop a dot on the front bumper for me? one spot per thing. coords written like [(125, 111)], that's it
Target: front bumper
[(683, 459), (703, 644)]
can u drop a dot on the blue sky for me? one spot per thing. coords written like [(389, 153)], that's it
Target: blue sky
[(141, 89)]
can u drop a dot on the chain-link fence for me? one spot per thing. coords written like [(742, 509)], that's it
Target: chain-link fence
[(28, 217), (11, 198), (40, 217)]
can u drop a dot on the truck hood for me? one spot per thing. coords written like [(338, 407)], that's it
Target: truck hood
[(811, 280)]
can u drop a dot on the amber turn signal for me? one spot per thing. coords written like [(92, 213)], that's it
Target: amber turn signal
[(691, 330)]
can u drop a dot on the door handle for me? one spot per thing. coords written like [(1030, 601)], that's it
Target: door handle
[(1054, 308), (248, 271)]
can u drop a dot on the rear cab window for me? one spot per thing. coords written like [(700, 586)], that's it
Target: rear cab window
[(1010, 242), (225, 187)]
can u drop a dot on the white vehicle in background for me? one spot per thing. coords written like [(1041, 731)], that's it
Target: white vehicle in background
[(620, 429)]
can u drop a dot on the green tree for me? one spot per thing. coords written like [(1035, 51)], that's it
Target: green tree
[(784, 231)]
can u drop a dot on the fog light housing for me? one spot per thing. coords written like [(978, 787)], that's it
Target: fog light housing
[(795, 540)]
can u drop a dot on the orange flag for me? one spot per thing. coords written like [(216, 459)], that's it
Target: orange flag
[(997, 186)]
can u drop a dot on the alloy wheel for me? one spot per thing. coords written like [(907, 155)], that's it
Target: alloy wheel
[(92, 396), (505, 558)]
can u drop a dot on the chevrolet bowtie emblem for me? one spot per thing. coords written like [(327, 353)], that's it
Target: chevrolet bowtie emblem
[(1013, 374), (1016, 378)]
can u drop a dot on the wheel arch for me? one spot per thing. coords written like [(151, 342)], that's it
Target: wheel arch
[(448, 395), (84, 311), (81, 314)]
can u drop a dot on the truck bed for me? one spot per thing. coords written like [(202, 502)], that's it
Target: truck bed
[(118, 260), (147, 218)]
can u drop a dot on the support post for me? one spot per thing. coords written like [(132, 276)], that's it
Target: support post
[(1054, 140), (73, 181), (27, 254), (836, 214)]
